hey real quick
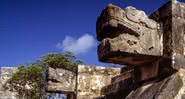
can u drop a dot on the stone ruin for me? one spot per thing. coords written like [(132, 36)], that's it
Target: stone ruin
[(151, 46), (5, 74), (65, 84), (85, 84)]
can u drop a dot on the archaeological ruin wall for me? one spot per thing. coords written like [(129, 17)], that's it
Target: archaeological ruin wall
[(86, 84)]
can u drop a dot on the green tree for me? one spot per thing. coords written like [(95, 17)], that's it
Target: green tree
[(62, 60), (28, 82), (65, 60)]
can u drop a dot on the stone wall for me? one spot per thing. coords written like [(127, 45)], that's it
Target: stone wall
[(92, 78), (86, 84), (61, 80), (5, 74)]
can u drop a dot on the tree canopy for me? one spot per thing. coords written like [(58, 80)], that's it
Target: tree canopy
[(29, 80), (62, 60)]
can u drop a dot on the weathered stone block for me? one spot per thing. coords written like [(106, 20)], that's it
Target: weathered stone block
[(170, 88), (123, 85), (154, 50), (114, 21), (127, 49), (121, 77), (127, 32), (91, 79), (171, 18), (61, 80), (146, 72)]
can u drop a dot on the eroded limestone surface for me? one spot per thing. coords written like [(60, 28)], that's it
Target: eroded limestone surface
[(61, 80), (86, 83), (170, 88), (5, 74), (91, 79), (127, 32), (151, 47)]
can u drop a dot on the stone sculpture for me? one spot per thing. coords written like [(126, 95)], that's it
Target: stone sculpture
[(151, 47)]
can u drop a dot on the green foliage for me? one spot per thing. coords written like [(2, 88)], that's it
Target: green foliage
[(59, 60), (28, 82)]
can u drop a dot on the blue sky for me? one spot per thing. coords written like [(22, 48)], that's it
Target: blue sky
[(30, 29)]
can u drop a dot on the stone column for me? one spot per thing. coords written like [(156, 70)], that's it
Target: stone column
[(171, 19)]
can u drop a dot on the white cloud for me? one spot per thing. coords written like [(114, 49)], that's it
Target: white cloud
[(78, 46)]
